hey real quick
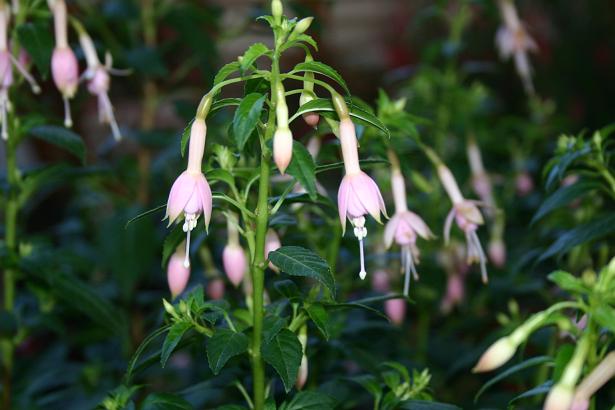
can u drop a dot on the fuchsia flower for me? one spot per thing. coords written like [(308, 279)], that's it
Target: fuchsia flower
[(468, 219), (6, 71), (512, 39), (190, 193), (177, 272), (395, 310), (64, 65), (358, 194), (98, 77), (235, 263), (405, 226)]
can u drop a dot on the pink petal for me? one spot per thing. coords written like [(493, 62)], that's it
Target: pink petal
[(389, 231), (448, 224), (418, 225), (367, 194), (342, 201), (180, 194), (205, 197)]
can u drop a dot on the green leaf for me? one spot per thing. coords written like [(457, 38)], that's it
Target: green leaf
[(365, 163), (302, 167), (605, 316), (369, 383), (534, 361), (536, 391), (299, 41), (62, 138), (219, 174), (170, 244), (564, 196), (325, 107), (426, 405), (144, 344), (595, 229), (255, 51), (165, 401), (284, 352), (36, 38), (310, 400), (288, 289), (144, 214), (298, 261), (246, 117), (272, 325), (568, 282), (224, 345), (320, 317), (225, 71), (323, 69), (170, 342)]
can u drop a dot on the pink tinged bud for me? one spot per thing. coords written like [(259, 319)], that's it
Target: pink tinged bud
[(235, 263), (215, 289), (455, 290), (496, 355), (282, 148), (310, 118), (177, 273), (580, 404), (380, 281), (395, 310), (65, 71), (272, 243), (497, 252), (302, 374), (450, 184), (559, 398)]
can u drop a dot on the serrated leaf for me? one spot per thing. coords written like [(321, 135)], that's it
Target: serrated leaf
[(302, 168), (325, 107), (225, 71), (567, 282), (37, 40), (62, 138), (288, 289), (246, 117), (320, 317), (272, 325), (255, 51), (298, 261), (321, 68), (310, 400), (595, 229), (284, 352), (534, 361), (224, 345), (165, 401), (564, 196), (176, 332)]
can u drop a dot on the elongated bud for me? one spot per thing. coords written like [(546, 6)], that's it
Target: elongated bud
[(561, 395), (307, 95), (272, 243), (395, 310), (277, 10), (235, 263), (496, 355), (282, 148), (594, 381), (177, 273), (497, 252), (450, 184), (302, 26), (302, 374), (380, 281)]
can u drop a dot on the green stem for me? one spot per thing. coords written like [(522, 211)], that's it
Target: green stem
[(11, 213)]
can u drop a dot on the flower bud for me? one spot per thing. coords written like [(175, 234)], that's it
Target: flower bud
[(302, 26), (380, 281), (559, 398), (235, 263), (215, 289), (497, 252), (272, 243), (496, 355), (395, 310), (277, 10), (310, 118), (282, 148), (177, 273), (302, 374), (65, 71)]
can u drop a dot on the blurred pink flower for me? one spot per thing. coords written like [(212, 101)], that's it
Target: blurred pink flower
[(380, 281), (177, 273), (455, 291), (524, 183), (190, 193), (358, 194), (235, 263), (215, 289), (272, 243), (396, 310)]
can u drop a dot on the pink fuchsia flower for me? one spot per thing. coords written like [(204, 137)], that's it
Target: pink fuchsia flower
[(235, 263), (6, 70), (177, 273), (513, 40), (98, 78), (455, 291), (405, 226), (468, 219), (190, 194), (358, 194), (64, 65), (395, 310), (215, 289)]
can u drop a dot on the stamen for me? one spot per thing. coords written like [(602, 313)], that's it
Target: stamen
[(362, 272), (68, 120), (190, 222), (481, 257), (405, 257), (360, 231), (110, 116), (26, 75), (187, 257)]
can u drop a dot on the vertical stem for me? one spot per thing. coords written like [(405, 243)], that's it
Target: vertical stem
[(11, 212)]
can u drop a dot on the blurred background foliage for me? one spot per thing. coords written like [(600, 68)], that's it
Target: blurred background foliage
[(91, 285)]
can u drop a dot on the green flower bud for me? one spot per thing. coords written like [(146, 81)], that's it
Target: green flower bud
[(277, 10)]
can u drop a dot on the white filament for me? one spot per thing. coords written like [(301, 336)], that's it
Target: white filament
[(189, 224), (362, 272), (68, 120)]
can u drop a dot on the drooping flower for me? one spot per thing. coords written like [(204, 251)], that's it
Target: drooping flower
[(99, 79), (358, 194), (234, 258), (177, 273), (513, 40), (64, 65), (6, 70), (283, 137), (190, 194), (468, 218), (455, 290), (405, 226)]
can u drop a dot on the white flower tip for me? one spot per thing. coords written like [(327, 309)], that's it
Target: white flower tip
[(186, 263), (495, 356), (36, 89), (68, 123), (559, 398), (362, 274)]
